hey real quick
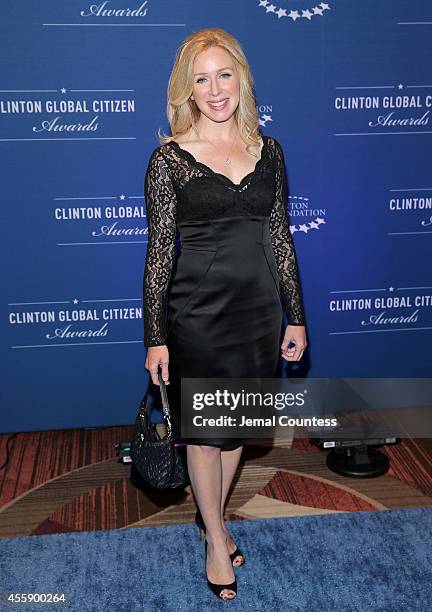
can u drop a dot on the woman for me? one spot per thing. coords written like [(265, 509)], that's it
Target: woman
[(222, 185)]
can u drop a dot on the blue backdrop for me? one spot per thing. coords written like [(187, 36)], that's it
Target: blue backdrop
[(346, 88)]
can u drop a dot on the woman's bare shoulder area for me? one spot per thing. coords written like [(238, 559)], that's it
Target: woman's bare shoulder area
[(196, 147), (181, 139), (189, 142)]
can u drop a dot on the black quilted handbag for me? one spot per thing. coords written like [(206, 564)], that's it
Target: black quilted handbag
[(160, 463)]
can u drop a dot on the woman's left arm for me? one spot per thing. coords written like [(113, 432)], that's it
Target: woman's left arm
[(284, 252)]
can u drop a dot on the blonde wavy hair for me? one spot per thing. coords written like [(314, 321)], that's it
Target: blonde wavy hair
[(183, 113)]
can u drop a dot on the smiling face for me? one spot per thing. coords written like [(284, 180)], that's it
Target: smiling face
[(216, 86)]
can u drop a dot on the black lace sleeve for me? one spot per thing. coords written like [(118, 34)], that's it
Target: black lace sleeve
[(283, 247), (161, 248)]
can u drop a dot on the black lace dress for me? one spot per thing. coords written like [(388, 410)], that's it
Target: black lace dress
[(218, 305)]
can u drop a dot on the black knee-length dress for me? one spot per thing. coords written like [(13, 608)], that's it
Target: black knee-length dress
[(218, 305)]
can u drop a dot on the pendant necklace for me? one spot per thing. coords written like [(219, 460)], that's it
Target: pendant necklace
[(227, 160)]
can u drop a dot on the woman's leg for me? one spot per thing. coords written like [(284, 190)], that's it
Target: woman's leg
[(205, 472), (230, 460)]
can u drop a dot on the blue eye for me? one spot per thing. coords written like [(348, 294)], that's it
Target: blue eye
[(224, 74)]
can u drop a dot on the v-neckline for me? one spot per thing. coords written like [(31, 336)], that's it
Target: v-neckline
[(191, 158)]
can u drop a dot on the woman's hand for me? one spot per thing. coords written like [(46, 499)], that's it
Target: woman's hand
[(157, 355), (297, 335)]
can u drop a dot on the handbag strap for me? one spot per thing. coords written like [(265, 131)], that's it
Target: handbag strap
[(165, 405)]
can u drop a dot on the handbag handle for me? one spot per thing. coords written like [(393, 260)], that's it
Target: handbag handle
[(165, 405)]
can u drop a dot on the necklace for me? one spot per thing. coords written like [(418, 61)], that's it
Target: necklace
[(227, 160)]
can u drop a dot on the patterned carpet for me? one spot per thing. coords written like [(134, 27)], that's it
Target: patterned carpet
[(71, 480)]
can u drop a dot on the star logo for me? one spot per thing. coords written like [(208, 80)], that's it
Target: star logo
[(264, 119), (294, 14), (300, 208)]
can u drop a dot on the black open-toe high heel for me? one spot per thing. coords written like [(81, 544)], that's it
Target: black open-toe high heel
[(219, 588), (237, 553)]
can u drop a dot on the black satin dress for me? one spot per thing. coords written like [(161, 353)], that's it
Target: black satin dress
[(218, 305)]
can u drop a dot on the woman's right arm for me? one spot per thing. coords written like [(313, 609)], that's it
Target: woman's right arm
[(161, 202)]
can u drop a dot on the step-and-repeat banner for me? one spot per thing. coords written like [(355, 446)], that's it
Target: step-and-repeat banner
[(346, 88)]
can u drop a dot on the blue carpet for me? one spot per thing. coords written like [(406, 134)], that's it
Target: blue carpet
[(377, 561)]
